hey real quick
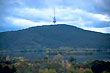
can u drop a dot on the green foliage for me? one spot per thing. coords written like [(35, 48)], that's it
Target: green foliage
[(72, 59), (71, 70), (87, 71), (21, 59), (52, 65), (100, 66), (7, 69), (47, 71), (25, 67), (106, 71), (47, 65)]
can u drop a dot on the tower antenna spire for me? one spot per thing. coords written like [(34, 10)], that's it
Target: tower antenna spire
[(54, 19)]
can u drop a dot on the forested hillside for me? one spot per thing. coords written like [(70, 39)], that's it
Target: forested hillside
[(53, 36)]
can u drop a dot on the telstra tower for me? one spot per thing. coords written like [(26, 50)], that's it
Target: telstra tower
[(54, 19)]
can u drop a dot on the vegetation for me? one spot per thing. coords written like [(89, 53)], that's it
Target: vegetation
[(53, 36), (47, 71), (47, 65)]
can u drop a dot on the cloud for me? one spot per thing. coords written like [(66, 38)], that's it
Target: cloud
[(80, 13), (53, 3), (101, 17), (103, 6), (104, 30), (23, 22), (94, 16), (34, 13), (66, 14)]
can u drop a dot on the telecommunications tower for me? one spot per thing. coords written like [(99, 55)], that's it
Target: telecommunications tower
[(54, 19)]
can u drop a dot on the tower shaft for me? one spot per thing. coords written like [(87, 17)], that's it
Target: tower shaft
[(54, 18)]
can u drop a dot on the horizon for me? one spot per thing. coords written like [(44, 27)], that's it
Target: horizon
[(54, 25)]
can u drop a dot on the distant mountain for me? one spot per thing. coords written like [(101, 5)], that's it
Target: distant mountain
[(53, 36)]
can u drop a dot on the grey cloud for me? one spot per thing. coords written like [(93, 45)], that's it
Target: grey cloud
[(101, 24), (103, 6)]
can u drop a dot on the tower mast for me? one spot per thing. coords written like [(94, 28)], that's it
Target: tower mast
[(54, 19)]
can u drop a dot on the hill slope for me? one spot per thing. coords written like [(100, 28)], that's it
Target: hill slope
[(53, 36)]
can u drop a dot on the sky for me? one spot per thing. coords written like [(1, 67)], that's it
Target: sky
[(91, 15)]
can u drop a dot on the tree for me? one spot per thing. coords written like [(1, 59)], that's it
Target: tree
[(71, 59), (1, 68), (58, 58), (100, 66), (7, 58), (13, 69), (6, 69), (47, 71), (87, 71), (106, 71), (71, 70)]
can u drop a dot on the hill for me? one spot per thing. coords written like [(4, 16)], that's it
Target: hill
[(53, 36)]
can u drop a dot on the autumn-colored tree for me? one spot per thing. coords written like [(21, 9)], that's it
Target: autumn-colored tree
[(58, 58), (7, 58), (68, 65)]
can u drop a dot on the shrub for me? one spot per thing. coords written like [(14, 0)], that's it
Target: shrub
[(87, 71)]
